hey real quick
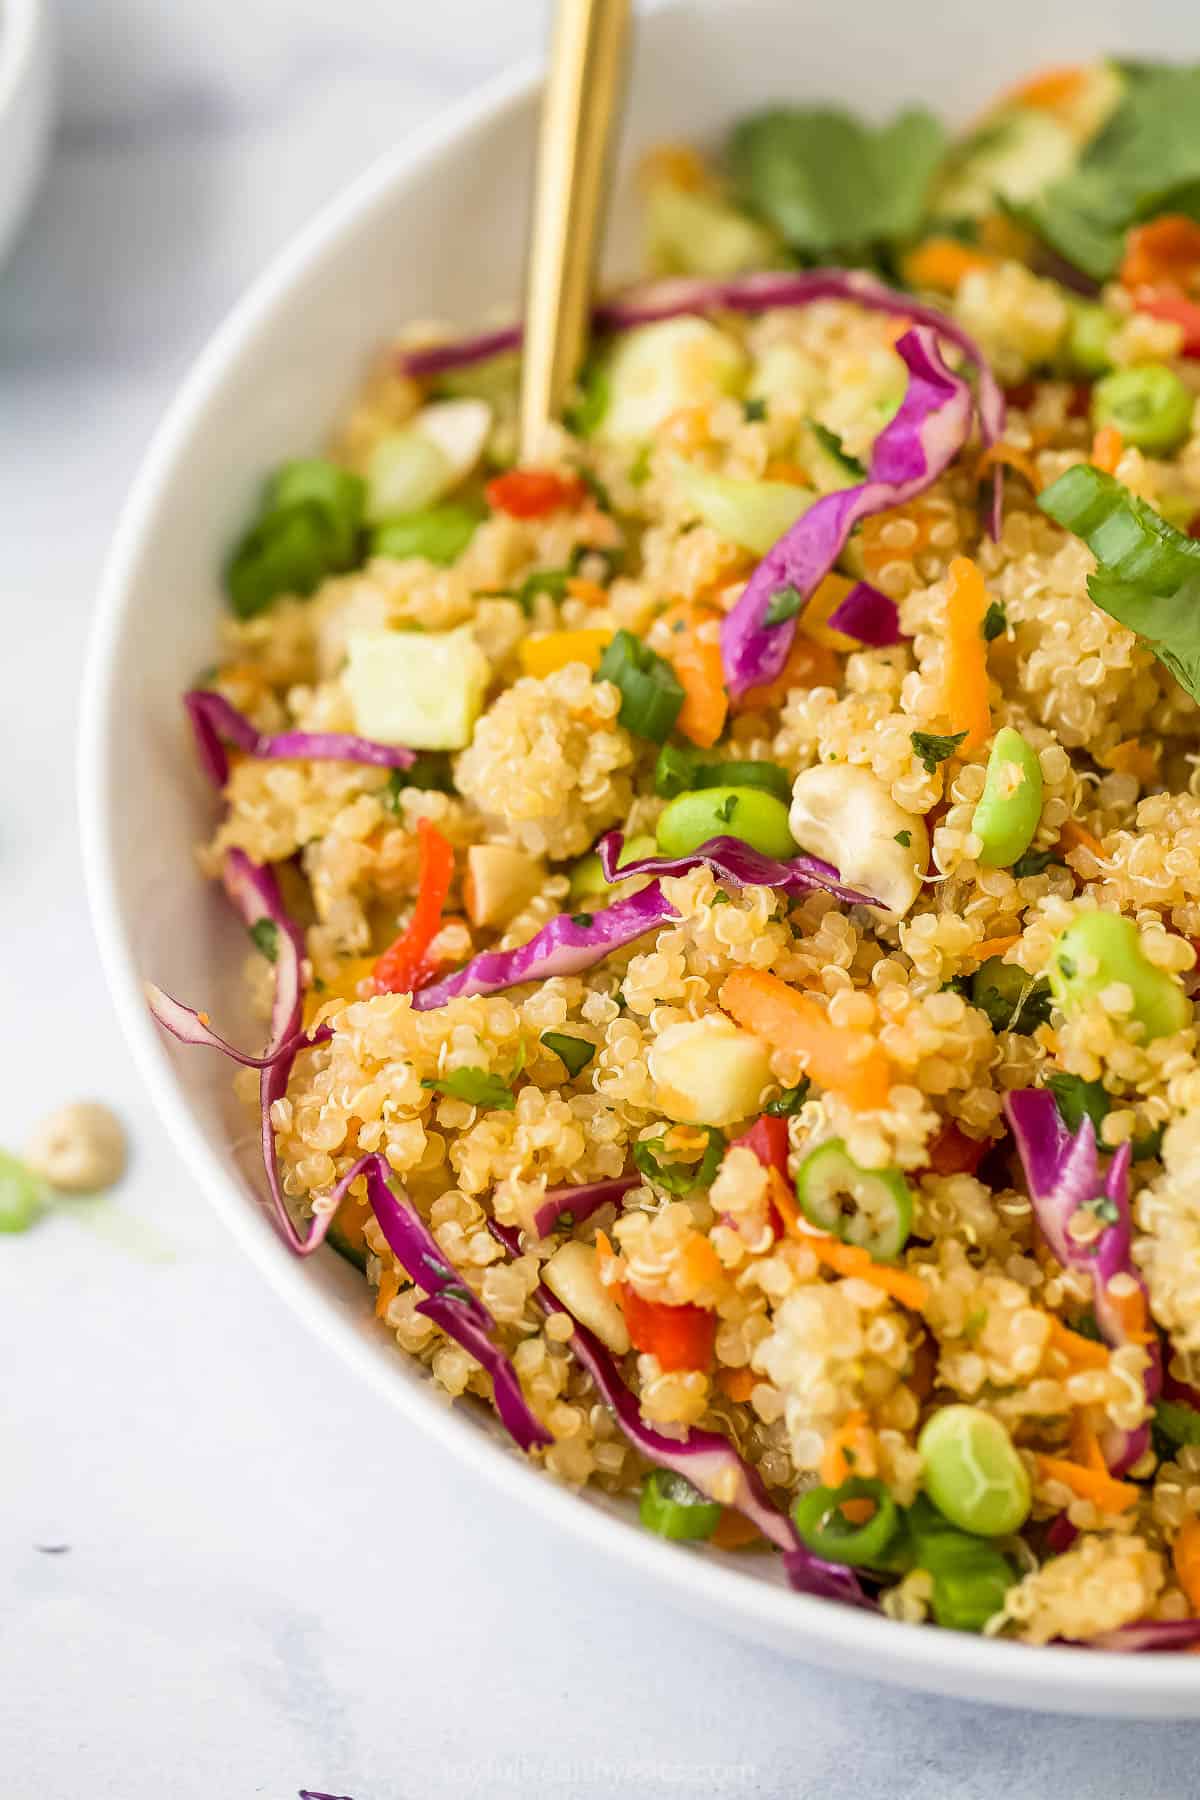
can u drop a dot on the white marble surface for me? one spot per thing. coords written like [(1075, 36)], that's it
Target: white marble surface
[(270, 1583)]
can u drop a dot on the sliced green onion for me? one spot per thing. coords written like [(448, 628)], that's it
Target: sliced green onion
[(869, 1207), (651, 695), (1012, 1000), (438, 533), (576, 1053), (1149, 405), (679, 770), (672, 1508), (826, 1531)]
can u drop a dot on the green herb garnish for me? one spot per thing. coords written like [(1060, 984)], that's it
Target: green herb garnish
[(679, 1177), (265, 935), (786, 602), (576, 1053), (478, 1087), (995, 621), (789, 1101), (933, 748)]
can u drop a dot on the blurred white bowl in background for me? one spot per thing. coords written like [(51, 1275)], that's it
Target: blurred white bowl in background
[(26, 107)]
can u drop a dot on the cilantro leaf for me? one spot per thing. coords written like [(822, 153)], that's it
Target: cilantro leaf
[(754, 410), (934, 749), (789, 1101), (430, 771), (679, 1177), (1145, 161), (828, 183), (1077, 1099), (904, 839), (576, 1053), (476, 1086), (995, 621), (831, 443), (1033, 863)]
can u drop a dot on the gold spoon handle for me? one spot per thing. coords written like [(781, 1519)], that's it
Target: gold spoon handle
[(586, 77)]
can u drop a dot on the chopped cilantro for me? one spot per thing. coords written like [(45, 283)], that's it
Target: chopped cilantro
[(904, 839), (1033, 863), (476, 1086), (754, 410), (679, 1177), (576, 1053), (265, 933), (1077, 1099), (431, 771), (995, 621), (789, 1101), (933, 748), (727, 808), (583, 920)]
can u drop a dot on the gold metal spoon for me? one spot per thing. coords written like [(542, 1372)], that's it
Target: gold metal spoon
[(586, 78)]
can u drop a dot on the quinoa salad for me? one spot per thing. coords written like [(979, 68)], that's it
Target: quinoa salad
[(726, 897)]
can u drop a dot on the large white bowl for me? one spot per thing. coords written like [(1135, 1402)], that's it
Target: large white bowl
[(437, 228)]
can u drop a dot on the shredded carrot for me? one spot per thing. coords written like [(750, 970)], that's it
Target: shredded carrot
[(997, 946), (965, 676), (784, 1201), (739, 1384), (590, 592), (1163, 253), (943, 263), (690, 636), (389, 1287), (1089, 1484), (605, 1255), (1085, 1445), (847, 1449), (1078, 1352), (552, 650), (808, 665), (852, 1260), (1051, 90), (1130, 1312), (1011, 458), (1185, 1554), (1108, 447), (699, 1261), (848, 1062), (1132, 757), (734, 1532), (1077, 837)]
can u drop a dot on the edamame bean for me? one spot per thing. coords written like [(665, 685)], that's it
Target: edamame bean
[(587, 877), (972, 1473), (1010, 805), (20, 1194), (752, 815), (1089, 338), (1100, 948), (1150, 406)]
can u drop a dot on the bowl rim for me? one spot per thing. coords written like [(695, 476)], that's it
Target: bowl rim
[(1149, 1684), (20, 21)]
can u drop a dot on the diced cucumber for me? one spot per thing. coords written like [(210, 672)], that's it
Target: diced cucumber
[(690, 233), (410, 469), (754, 514), (659, 369), (420, 688), (1012, 156)]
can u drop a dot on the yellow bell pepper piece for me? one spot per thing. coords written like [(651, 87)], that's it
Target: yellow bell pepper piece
[(555, 649)]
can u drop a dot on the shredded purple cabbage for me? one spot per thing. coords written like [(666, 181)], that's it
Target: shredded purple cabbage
[(763, 292), (450, 1304), (216, 723), (1063, 1173), (925, 436), (867, 615), (737, 863), (1144, 1634), (704, 1458), (569, 943), (580, 1202)]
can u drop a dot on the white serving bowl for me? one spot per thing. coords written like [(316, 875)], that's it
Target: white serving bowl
[(26, 106), (437, 229)]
